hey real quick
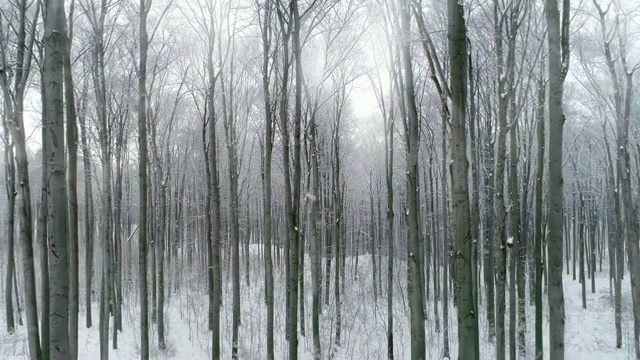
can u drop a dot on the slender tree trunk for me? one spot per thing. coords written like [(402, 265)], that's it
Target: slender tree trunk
[(372, 244), (414, 260), (14, 101), (538, 227), (337, 235), (516, 343), (142, 181), (229, 125), (428, 238), (292, 191), (388, 142), (15, 288), (468, 340), (614, 224), (293, 195), (593, 223), (10, 186), (267, 198), (581, 224), (43, 238), (338, 206), (488, 244), (286, 164), (446, 245), (89, 219), (558, 63), (72, 174), (627, 215), (505, 91), (159, 245), (118, 228), (571, 236), (474, 193), (316, 242), (213, 249), (437, 250)]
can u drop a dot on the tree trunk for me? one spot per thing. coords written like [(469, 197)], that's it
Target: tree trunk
[(142, 181), (446, 244), (338, 225), (558, 62), (615, 241), (414, 287), (388, 142), (10, 186), (293, 195), (627, 215), (89, 219), (316, 241), (53, 111), (581, 223), (72, 174), (43, 238), (267, 232), (291, 233), (516, 265), (505, 91), (437, 249), (372, 244), (538, 227), (213, 248), (230, 132), (13, 99), (468, 340)]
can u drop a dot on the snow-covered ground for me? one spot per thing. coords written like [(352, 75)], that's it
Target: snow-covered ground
[(590, 333)]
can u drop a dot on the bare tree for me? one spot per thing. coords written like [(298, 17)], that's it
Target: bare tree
[(13, 96), (72, 192), (468, 339), (621, 77), (10, 187), (538, 225), (558, 43), (414, 261), (269, 107), (142, 180), (53, 110), (89, 220)]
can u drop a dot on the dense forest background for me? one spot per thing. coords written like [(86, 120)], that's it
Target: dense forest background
[(339, 179)]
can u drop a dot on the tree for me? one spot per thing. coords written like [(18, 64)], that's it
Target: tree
[(621, 76), (13, 99), (89, 221), (142, 180), (389, 134), (53, 110), (10, 187), (42, 234), (538, 225), (505, 25), (267, 35), (72, 192), (229, 121), (558, 44), (414, 261), (293, 195), (97, 19), (468, 340)]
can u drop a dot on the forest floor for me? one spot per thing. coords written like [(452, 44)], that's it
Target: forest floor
[(590, 333)]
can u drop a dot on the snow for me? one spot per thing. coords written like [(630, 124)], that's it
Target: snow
[(590, 333), (510, 240)]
